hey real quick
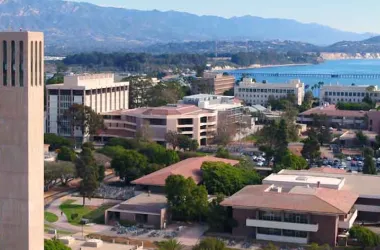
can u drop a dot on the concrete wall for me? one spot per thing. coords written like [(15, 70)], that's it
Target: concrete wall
[(21, 145)]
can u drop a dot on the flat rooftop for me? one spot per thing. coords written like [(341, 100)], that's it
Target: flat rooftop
[(301, 179), (367, 186), (142, 203)]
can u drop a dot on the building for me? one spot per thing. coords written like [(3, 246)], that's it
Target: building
[(349, 138), (300, 214), (348, 93), (21, 144), (98, 91), (190, 167), (374, 121), (366, 186), (198, 124), (228, 107), (212, 83), (253, 93), (146, 209), (354, 119)]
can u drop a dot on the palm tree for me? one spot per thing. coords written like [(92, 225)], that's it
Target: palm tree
[(171, 244)]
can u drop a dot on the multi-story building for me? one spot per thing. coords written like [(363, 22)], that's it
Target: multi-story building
[(225, 106), (21, 143), (374, 120), (258, 93), (355, 119), (98, 91), (300, 214), (347, 93), (198, 124), (212, 83)]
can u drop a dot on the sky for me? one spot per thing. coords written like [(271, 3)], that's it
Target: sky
[(349, 15)]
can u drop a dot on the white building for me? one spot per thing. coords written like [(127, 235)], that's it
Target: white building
[(97, 91), (347, 93), (258, 93)]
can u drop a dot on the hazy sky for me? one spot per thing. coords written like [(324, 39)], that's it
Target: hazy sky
[(350, 15)]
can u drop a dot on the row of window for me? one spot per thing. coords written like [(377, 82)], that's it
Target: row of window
[(287, 217), (280, 91), (36, 63), (282, 232), (14, 47), (358, 94), (258, 96)]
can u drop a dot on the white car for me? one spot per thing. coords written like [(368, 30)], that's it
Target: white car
[(254, 157), (360, 164), (349, 158), (260, 163)]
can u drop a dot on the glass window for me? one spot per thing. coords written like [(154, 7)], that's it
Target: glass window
[(269, 231), (13, 63), (270, 215), (31, 63), (5, 67), (21, 65)]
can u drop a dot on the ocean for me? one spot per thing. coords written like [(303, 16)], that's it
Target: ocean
[(328, 67)]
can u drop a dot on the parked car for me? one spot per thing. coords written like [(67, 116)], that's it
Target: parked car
[(349, 158), (260, 163)]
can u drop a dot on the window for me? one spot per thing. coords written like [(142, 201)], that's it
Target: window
[(40, 63), (269, 231), (31, 64), (13, 63), (296, 218), (5, 66), (21, 65), (272, 216), (292, 233), (36, 63), (141, 218)]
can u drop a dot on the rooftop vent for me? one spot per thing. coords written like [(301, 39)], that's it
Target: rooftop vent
[(301, 178)]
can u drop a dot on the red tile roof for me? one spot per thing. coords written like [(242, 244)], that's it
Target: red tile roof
[(332, 111), (177, 109), (188, 168), (300, 199), (328, 170)]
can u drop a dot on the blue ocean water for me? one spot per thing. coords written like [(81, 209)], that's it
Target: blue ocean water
[(328, 67)]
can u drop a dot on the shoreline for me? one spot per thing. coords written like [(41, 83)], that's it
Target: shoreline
[(258, 66)]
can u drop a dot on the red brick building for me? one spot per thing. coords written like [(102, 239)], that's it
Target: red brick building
[(298, 215)]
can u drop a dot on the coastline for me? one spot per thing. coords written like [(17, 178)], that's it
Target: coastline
[(259, 66)]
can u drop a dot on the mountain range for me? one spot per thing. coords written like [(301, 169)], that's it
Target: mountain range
[(76, 26)]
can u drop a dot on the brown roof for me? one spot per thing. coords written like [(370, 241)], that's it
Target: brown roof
[(188, 168), (150, 203), (328, 170), (175, 109), (301, 199), (332, 111)]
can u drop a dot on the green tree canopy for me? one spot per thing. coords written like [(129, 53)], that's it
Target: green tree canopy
[(291, 161), (365, 236), (219, 217), (171, 244), (369, 163), (186, 200), (54, 245), (157, 154), (311, 147), (66, 154), (210, 244), (129, 165), (56, 141), (223, 178)]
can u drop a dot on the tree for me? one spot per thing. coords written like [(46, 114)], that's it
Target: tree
[(223, 178), (129, 165), (361, 138), (139, 91), (365, 236), (112, 151), (226, 130), (186, 200), (101, 173), (291, 161), (210, 244), (56, 142), (369, 165), (200, 69), (89, 183), (171, 137), (194, 145), (66, 154), (82, 117), (218, 216), (307, 101), (223, 153), (270, 246), (230, 92), (171, 244), (184, 142), (144, 133), (311, 147), (125, 143), (54, 245), (157, 154)]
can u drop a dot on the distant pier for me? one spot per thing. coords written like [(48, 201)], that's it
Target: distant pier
[(306, 75)]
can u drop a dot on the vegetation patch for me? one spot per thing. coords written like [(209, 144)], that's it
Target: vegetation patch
[(50, 217), (74, 213), (97, 215)]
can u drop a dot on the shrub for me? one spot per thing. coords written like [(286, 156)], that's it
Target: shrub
[(365, 237)]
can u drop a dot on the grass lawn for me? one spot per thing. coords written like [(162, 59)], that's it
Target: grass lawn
[(48, 227), (50, 217), (95, 215), (251, 138)]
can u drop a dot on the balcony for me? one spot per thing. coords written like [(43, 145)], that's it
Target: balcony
[(349, 221), (282, 225), (279, 238)]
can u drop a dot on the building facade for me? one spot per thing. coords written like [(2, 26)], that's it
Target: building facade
[(299, 215), (98, 91), (352, 119), (346, 93), (196, 123), (374, 121), (21, 144), (212, 83), (253, 93)]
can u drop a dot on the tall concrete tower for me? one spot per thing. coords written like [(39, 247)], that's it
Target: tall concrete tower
[(21, 140)]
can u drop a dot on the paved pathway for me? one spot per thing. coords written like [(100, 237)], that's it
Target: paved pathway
[(191, 235)]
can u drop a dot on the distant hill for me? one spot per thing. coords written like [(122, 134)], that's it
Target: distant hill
[(371, 45), (75, 27)]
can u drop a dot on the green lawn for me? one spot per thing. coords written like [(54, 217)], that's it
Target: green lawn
[(48, 227), (95, 215), (50, 217)]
